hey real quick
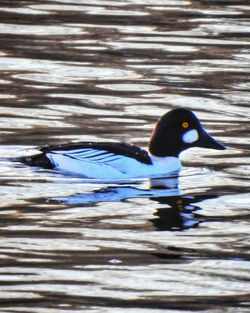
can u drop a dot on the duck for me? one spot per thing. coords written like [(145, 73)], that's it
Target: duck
[(175, 131)]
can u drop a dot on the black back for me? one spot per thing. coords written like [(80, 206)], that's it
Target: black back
[(122, 149)]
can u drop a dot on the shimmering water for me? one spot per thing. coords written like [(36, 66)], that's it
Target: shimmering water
[(106, 70)]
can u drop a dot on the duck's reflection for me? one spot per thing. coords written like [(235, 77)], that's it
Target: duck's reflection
[(179, 214)]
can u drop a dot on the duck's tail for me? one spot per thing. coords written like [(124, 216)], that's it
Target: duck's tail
[(40, 160)]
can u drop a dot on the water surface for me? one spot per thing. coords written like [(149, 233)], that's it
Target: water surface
[(106, 70)]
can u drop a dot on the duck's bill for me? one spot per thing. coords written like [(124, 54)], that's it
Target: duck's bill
[(206, 141)]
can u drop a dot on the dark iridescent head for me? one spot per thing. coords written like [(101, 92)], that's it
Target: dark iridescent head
[(178, 130)]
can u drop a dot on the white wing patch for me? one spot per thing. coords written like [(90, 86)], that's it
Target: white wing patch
[(90, 155), (91, 162), (190, 136)]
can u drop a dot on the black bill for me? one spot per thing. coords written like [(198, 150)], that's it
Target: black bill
[(206, 141)]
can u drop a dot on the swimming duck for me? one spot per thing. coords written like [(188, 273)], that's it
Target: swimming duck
[(176, 131)]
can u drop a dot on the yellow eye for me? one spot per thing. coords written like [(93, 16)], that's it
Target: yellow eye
[(185, 124)]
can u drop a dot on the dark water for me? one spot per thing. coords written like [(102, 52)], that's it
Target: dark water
[(106, 70)]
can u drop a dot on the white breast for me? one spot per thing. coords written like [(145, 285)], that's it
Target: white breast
[(165, 164)]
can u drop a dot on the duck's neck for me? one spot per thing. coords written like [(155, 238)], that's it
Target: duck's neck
[(163, 147)]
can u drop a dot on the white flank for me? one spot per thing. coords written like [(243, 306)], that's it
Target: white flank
[(190, 136), (112, 166)]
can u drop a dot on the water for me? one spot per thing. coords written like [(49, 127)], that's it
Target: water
[(106, 70)]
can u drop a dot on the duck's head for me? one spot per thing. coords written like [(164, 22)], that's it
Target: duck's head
[(178, 130)]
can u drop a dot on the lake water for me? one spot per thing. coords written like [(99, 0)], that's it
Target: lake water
[(107, 70)]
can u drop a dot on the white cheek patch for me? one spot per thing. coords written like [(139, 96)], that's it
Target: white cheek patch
[(190, 136)]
